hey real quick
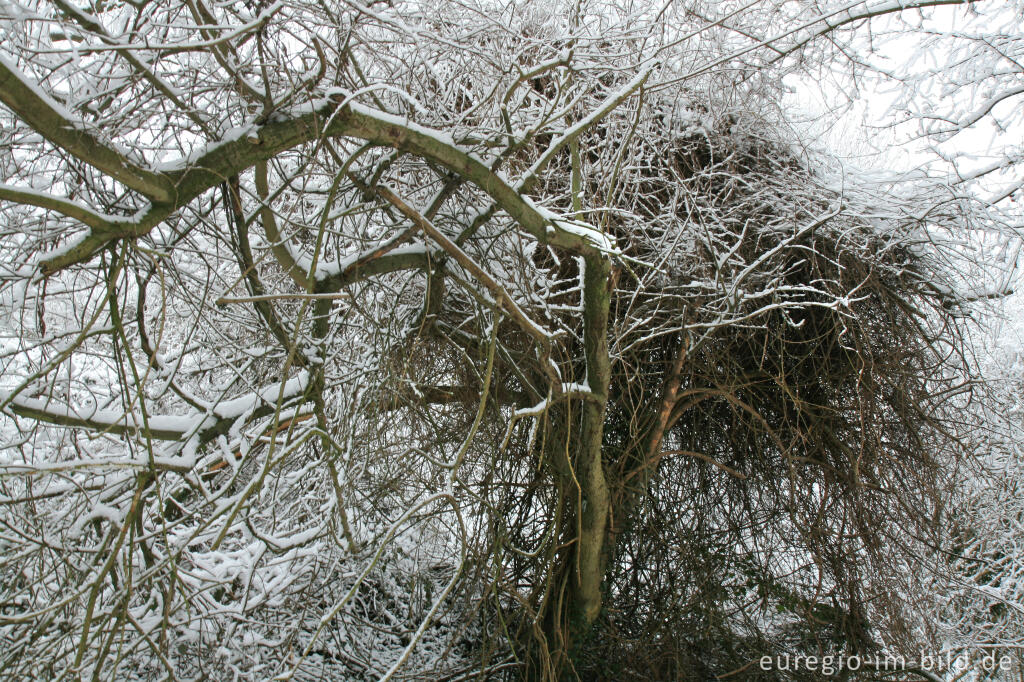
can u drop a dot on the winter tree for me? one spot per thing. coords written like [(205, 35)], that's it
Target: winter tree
[(454, 340), (963, 92)]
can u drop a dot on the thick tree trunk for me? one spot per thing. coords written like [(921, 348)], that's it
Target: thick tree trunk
[(594, 497), (574, 597), (597, 494)]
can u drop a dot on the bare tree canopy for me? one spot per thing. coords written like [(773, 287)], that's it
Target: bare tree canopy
[(350, 340)]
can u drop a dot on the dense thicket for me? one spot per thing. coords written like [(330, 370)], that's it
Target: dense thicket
[(802, 368), (405, 340)]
